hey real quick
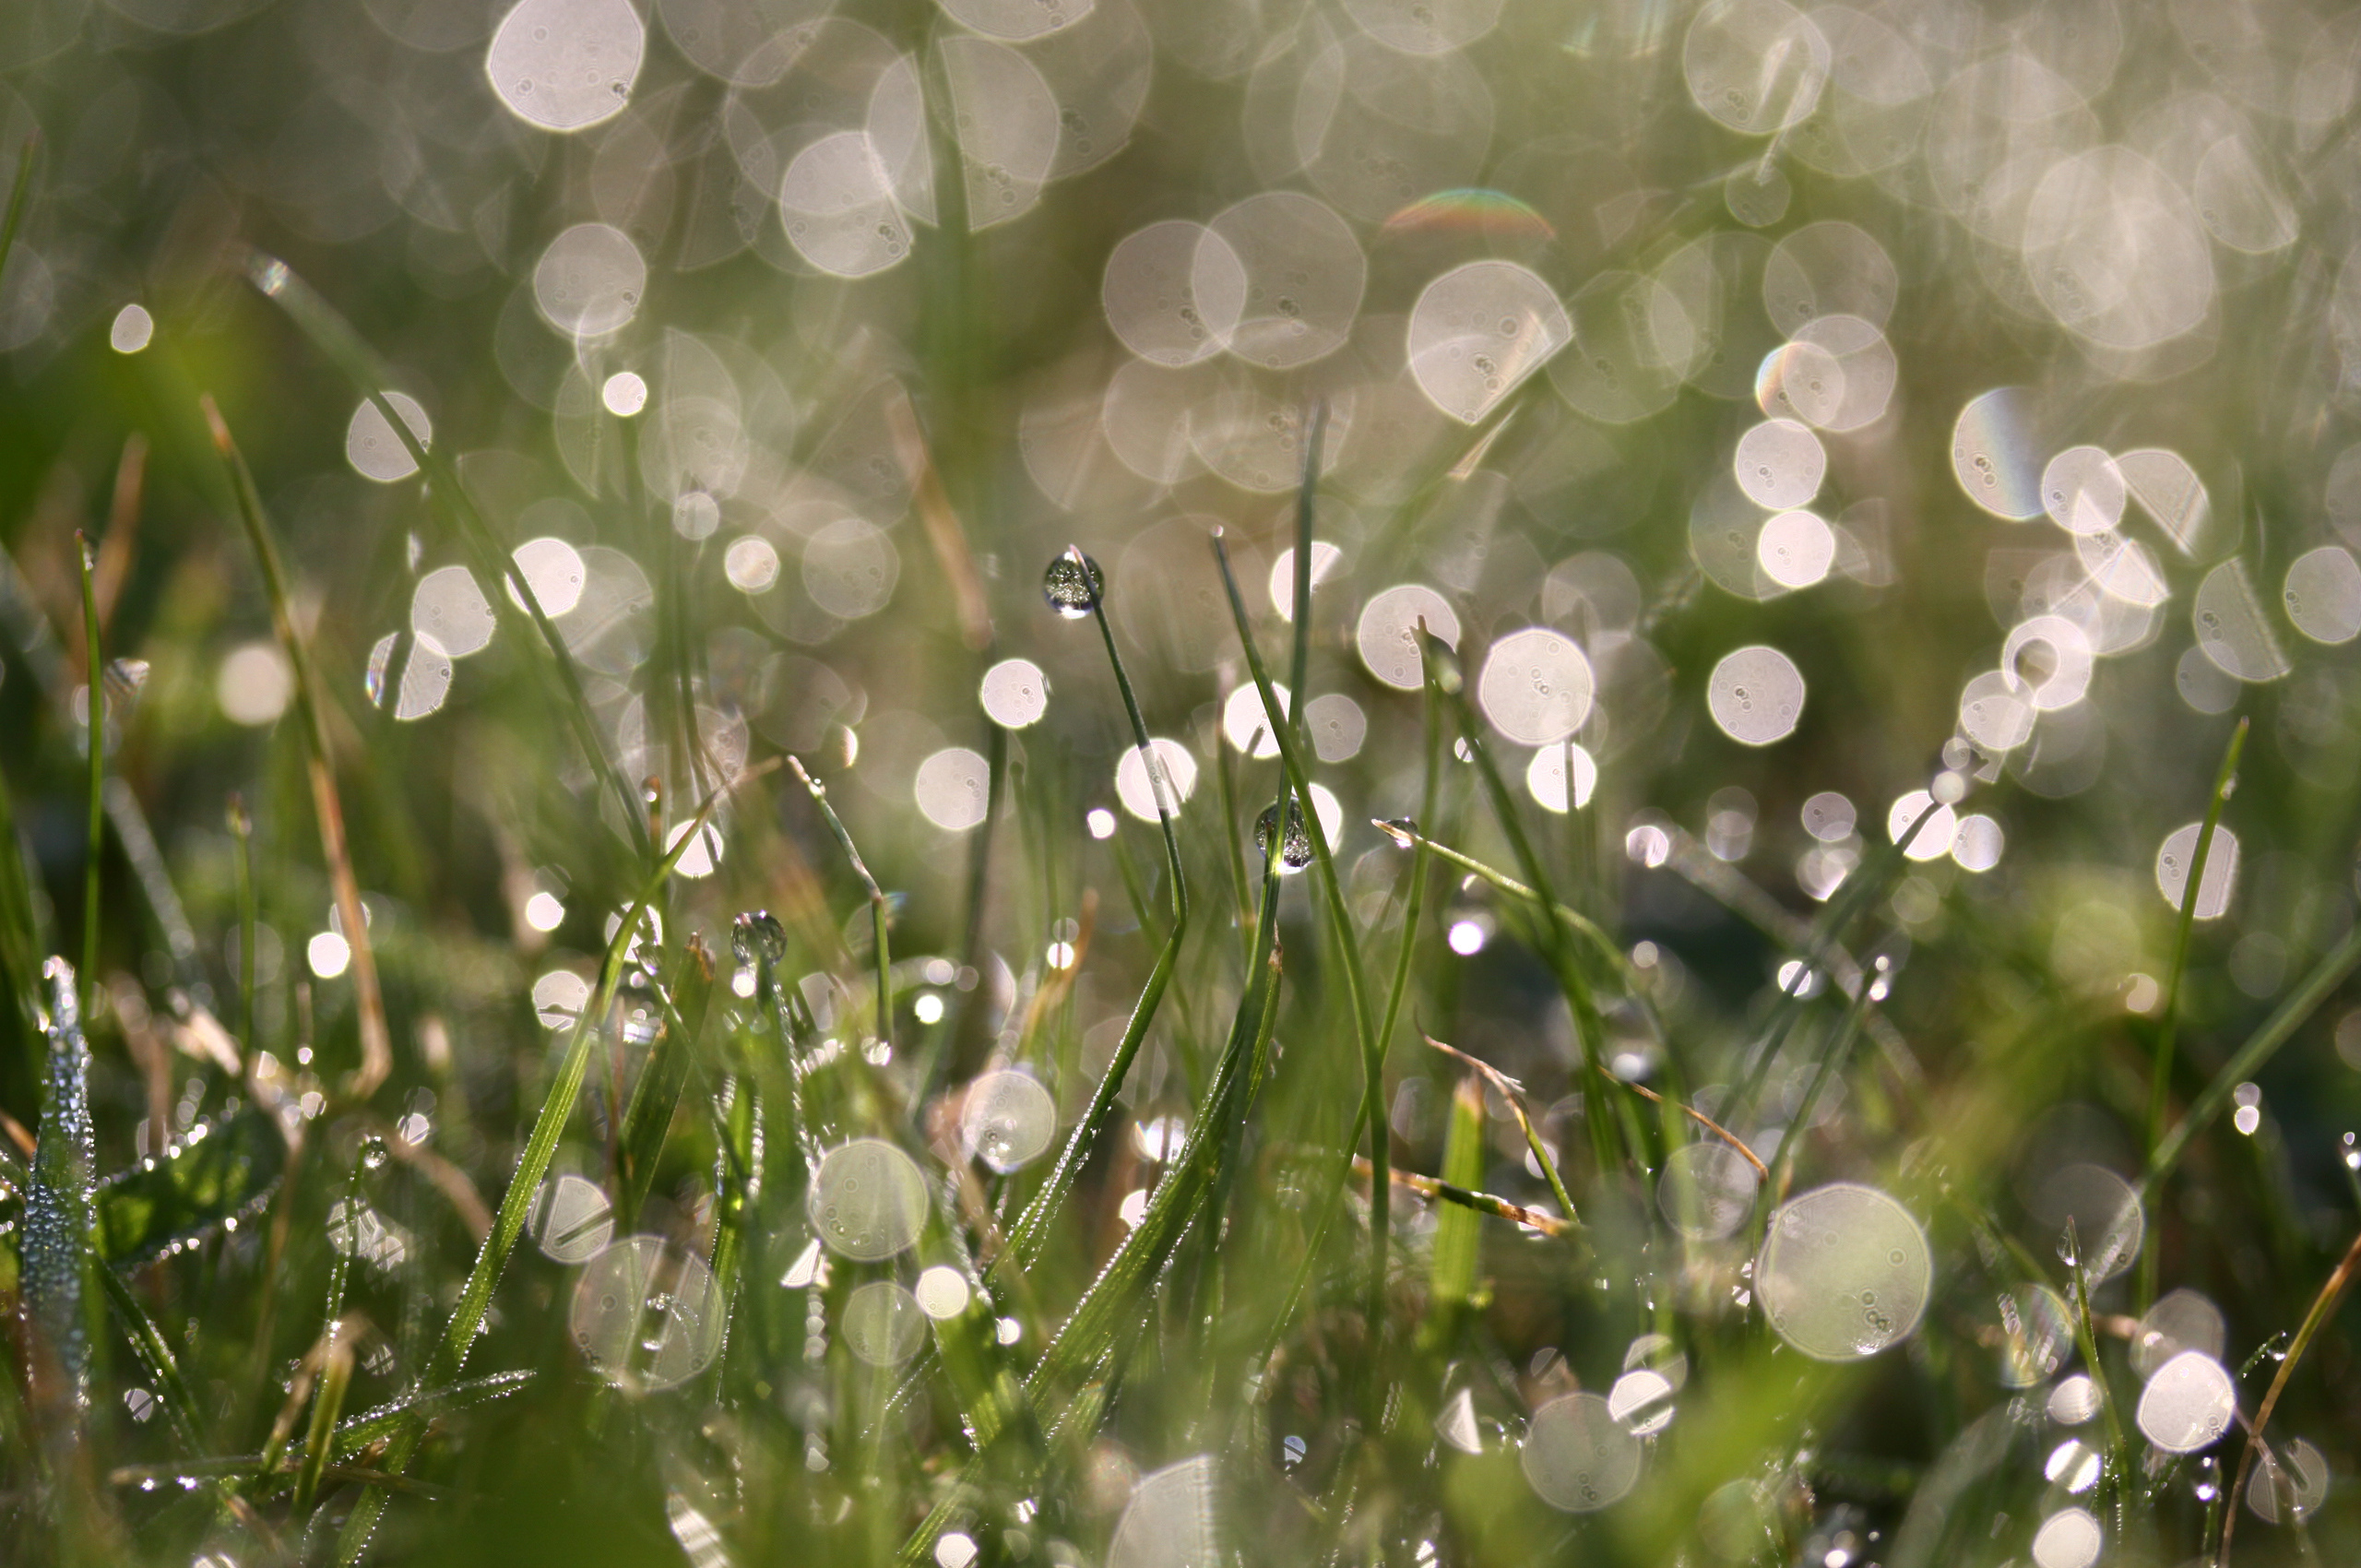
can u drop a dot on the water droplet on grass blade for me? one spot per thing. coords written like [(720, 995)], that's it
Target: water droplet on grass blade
[(1577, 1456), (1294, 844), (1844, 1273), (1073, 585)]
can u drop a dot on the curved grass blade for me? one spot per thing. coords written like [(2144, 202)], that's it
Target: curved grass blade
[(2323, 1304), (2260, 1047), (1372, 1048), (376, 1041), (657, 1096), (880, 908), (94, 733), (450, 1357), (219, 1171), (2160, 1072), (155, 1353), (1032, 1227)]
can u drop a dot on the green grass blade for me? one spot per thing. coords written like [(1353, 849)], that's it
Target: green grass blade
[(1451, 1276), (450, 1357), (218, 1172), (2160, 1072), (1031, 1230), (311, 699), (95, 733), (657, 1096), (58, 1209), (2301, 1003), (155, 1353)]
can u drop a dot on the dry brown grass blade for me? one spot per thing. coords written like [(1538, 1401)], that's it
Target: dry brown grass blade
[(943, 530), (368, 1002), (2322, 1305), (1436, 1190)]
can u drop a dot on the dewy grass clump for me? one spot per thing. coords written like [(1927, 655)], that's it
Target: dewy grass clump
[(1144, 783)]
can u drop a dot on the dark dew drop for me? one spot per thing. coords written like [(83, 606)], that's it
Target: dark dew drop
[(1295, 845), (1073, 585), (757, 935)]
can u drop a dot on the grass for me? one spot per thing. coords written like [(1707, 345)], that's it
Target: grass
[(426, 1137)]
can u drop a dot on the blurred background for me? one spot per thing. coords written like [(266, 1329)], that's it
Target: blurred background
[(1795, 419)]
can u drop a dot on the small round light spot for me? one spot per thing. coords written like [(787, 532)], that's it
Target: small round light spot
[(624, 394)]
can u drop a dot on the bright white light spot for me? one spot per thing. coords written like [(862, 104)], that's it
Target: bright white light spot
[(2173, 858), (2068, 1538), (1648, 845), (1934, 840), (1014, 693), (1338, 725), (1466, 937), (1756, 696), (1779, 464), (1325, 559), (255, 685), (449, 607), (695, 515), (2188, 1404), (562, 65), (1179, 771), (131, 329), (953, 789), (1008, 1331), (1794, 548), (1101, 823), (1535, 686), (1387, 633), (1133, 1208), (559, 997), (554, 572), (329, 954), (2246, 1118), (700, 858), (590, 280), (750, 563), (372, 446), (1976, 843), (928, 1008), (624, 394), (545, 912), (1245, 725), (1544, 776), (943, 1292), (1061, 955)]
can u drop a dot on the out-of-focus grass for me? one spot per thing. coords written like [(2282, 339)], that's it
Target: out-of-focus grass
[(366, 987)]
